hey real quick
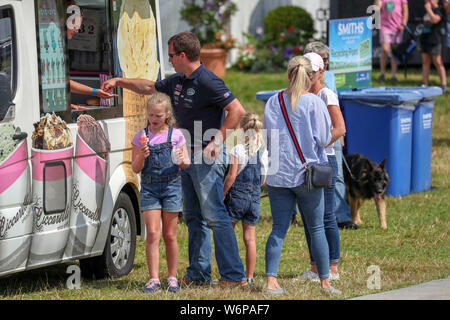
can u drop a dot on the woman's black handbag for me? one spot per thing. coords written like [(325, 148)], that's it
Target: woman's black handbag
[(317, 175)]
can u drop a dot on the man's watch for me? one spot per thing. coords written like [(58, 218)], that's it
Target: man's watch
[(217, 142)]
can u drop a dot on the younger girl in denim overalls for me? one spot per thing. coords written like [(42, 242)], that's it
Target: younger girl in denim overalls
[(242, 186), (158, 153)]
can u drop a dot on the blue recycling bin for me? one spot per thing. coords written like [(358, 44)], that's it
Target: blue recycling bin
[(421, 134), (379, 125)]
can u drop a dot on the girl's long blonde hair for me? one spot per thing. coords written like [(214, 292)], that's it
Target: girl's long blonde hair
[(299, 71), (162, 99), (252, 129)]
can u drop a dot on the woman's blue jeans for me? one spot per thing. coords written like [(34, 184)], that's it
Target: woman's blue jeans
[(329, 219), (282, 205)]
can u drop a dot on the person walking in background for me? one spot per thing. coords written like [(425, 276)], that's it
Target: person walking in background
[(153, 151), (286, 186), (393, 17), (242, 186), (341, 207), (337, 130), (446, 4), (431, 41), (200, 99)]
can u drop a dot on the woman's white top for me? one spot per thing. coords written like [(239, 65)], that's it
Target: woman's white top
[(331, 99)]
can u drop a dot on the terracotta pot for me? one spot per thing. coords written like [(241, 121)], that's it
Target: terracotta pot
[(214, 60)]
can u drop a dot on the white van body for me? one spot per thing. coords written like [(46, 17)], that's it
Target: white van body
[(95, 221)]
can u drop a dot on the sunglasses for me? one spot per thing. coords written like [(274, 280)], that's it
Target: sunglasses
[(172, 55)]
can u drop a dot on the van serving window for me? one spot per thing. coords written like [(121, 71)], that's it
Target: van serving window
[(90, 57)]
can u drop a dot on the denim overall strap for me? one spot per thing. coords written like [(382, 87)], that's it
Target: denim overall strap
[(249, 178), (169, 135), (158, 166)]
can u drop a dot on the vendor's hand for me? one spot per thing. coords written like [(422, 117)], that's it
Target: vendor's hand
[(145, 151), (401, 27), (109, 85), (77, 107), (104, 95)]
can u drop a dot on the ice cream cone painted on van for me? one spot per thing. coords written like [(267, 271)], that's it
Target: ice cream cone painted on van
[(51, 161), (16, 219), (89, 178)]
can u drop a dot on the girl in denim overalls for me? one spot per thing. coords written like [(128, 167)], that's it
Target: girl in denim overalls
[(242, 186), (158, 153)]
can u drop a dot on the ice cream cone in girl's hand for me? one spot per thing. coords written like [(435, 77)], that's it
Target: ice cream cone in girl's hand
[(143, 139)]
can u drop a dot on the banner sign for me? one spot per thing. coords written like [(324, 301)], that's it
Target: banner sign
[(350, 42)]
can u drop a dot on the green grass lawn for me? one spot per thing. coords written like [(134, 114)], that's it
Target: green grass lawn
[(415, 247)]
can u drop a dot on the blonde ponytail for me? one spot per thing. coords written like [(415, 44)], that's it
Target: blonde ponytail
[(299, 71), (252, 129)]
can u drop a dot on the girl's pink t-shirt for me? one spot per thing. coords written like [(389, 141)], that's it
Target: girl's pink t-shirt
[(178, 139), (391, 14)]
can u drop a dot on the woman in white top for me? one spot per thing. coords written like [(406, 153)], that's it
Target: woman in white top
[(337, 131)]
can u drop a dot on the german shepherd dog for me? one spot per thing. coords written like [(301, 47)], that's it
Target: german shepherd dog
[(365, 180)]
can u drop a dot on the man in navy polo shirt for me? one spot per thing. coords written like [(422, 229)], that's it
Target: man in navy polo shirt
[(199, 100)]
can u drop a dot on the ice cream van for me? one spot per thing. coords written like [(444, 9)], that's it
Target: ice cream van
[(67, 190)]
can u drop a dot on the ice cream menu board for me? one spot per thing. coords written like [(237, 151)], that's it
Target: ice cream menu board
[(52, 56)]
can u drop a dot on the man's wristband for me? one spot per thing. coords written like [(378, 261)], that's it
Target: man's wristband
[(94, 92)]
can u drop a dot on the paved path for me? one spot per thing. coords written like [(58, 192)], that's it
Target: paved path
[(433, 290)]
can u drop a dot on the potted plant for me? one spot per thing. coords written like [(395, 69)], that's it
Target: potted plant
[(210, 24)]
